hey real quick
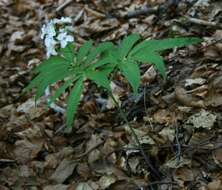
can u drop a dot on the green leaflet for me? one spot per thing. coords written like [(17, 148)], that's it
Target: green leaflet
[(59, 91), (56, 75), (103, 61), (132, 72), (68, 52), (83, 51), (127, 43), (154, 59), (103, 47), (100, 78), (50, 63), (33, 83), (44, 75), (73, 102), (159, 45)]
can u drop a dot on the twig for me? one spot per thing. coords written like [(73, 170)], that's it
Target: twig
[(95, 13), (161, 183), (149, 10), (62, 6), (90, 150), (203, 22), (146, 157), (7, 161), (178, 145), (144, 11)]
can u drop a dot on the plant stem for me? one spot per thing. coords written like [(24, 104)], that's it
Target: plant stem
[(146, 157)]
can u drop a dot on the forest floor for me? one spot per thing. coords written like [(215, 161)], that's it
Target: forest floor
[(177, 120)]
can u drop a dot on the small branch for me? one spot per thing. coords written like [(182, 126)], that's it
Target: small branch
[(162, 183), (64, 5), (146, 158), (178, 145), (203, 22), (144, 11), (150, 10), (95, 13), (90, 150)]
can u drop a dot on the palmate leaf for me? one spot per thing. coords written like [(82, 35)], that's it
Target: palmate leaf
[(96, 63), (73, 101), (132, 72), (127, 44), (152, 58), (159, 45)]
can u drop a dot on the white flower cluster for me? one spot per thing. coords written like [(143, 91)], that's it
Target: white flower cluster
[(56, 32)]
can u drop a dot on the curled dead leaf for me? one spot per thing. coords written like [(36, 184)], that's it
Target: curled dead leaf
[(187, 99)]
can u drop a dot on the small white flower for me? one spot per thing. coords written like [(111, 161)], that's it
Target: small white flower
[(50, 44), (48, 29), (64, 38), (62, 20), (56, 34)]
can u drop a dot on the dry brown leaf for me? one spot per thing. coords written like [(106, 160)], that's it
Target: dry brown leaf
[(187, 99), (203, 119), (106, 180), (215, 185), (83, 170), (168, 134), (25, 150), (183, 175), (196, 81), (149, 76), (63, 171), (83, 186), (56, 187), (175, 163), (217, 155), (163, 116), (29, 107), (117, 93)]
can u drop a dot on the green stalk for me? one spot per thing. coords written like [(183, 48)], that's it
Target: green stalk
[(146, 157)]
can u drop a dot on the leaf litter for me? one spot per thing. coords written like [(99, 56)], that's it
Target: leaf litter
[(177, 121)]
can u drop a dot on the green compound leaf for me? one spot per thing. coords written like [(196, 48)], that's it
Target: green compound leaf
[(83, 51), (97, 63), (100, 78), (132, 72), (159, 45), (73, 101), (127, 44), (152, 58)]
